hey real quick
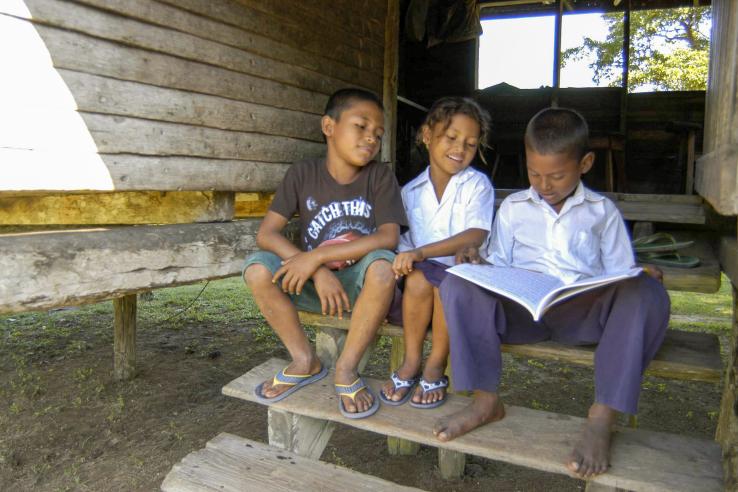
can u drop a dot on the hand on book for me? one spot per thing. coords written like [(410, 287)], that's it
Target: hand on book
[(403, 263), (469, 254)]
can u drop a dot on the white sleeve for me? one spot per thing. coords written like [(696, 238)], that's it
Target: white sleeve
[(406, 239), (480, 207), (615, 248), (502, 239)]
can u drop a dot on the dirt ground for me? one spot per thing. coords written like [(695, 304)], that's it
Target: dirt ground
[(66, 425)]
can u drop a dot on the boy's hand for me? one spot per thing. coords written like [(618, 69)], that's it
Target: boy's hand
[(333, 298), (295, 271), (654, 272), (469, 254), (403, 263)]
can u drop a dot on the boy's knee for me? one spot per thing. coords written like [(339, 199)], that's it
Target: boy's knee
[(380, 273), (257, 275)]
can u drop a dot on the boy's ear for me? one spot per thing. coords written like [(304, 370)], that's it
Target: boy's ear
[(327, 124), (586, 163)]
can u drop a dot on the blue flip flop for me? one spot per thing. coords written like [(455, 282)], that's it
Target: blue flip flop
[(350, 391), (399, 383), (297, 381), (427, 386)]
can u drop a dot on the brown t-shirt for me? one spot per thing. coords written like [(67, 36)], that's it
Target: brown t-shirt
[(329, 210)]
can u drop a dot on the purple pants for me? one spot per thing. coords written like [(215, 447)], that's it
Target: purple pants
[(627, 320)]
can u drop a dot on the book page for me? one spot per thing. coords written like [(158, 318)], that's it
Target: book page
[(523, 286), (589, 283)]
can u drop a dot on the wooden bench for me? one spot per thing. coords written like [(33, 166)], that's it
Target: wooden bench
[(641, 460), (683, 355), (233, 464)]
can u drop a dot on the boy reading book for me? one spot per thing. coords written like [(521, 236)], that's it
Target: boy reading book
[(560, 228)]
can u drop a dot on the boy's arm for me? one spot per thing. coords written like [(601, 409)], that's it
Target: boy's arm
[(270, 237), (298, 268)]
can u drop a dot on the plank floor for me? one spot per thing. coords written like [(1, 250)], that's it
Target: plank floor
[(641, 460), (233, 464)]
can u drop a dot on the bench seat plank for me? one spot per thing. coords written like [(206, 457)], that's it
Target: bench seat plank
[(641, 460), (683, 355), (232, 463)]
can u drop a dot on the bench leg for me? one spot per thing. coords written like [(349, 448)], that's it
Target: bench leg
[(305, 436), (329, 343), (451, 464), (395, 445), (124, 337)]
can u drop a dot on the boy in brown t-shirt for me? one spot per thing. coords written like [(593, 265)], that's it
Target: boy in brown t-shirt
[(350, 212)]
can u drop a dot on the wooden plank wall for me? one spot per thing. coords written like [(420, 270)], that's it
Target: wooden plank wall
[(188, 94), (717, 170)]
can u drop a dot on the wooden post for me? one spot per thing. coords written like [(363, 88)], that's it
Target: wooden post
[(305, 436), (395, 445), (451, 464), (389, 89), (124, 338), (727, 428)]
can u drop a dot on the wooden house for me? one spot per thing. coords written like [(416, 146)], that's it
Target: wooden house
[(140, 139)]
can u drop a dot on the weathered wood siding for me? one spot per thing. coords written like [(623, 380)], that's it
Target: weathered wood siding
[(717, 170), (178, 94)]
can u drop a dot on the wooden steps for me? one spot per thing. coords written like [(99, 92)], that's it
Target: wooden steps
[(683, 355), (233, 464), (641, 460)]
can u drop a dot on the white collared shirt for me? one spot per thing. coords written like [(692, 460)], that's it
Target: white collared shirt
[(587, 238), (467, 202)]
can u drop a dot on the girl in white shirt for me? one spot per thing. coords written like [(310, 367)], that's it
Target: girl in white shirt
[(449, 205)]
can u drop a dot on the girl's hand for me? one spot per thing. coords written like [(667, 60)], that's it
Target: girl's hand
[(654, 272), (333, 298), (468, 254), (403, 263), (295, 271)]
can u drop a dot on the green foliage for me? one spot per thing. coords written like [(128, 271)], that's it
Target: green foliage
[(668, 50)]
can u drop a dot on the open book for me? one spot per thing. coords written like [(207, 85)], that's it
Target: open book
[(533, 290)]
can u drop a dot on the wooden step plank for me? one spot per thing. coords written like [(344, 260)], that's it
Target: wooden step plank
[(704, 278), (683, 355), (232, 463), (641, 460)]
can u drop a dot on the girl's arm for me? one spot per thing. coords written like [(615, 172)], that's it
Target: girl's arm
[(403, 263)]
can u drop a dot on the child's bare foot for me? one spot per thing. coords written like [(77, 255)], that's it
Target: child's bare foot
[(363, 399), (309, 366), (431, 375), (407, 371), (485, 408), (591, 455)]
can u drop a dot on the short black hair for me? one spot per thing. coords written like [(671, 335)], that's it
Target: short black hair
[(558, 131), (343, 99)]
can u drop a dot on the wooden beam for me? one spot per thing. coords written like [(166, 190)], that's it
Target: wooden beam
[(281, 46), (105, 95), (252, 204), (389, 88), (39, 171), (124, 338), (103, 25), (174, 207), (716, 179), (46, 270)]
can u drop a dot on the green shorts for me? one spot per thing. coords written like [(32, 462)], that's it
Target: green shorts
[(352, 278)]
